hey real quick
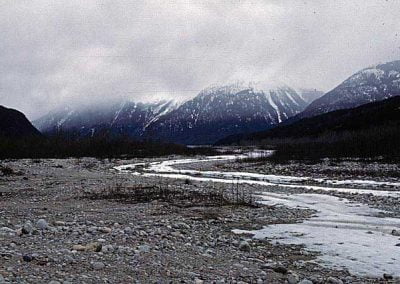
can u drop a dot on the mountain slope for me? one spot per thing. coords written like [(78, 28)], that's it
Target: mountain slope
[(213, 114), (224, 110), (126, 118), (368, 85), (14, 125), (368, 130)]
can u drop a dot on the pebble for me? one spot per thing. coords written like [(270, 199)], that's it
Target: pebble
[(333, 280), (387, 276), (396, 233), (305, 281), (293, 278), (79, 247), (27, 228), (94, 247), (98, 265), (42, 224), (27, 258), (144, 248), (244, 246), (280, 269)]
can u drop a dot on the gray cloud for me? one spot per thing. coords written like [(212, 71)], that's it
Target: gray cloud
[(65, 52)]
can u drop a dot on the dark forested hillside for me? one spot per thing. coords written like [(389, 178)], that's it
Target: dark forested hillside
[(14, 125), (369, 130)]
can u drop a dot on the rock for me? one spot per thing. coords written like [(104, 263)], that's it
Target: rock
[(79, 247), (107, 249), (105, 230), (387, 276), (280, 269), (27, 228), (2, 280), (144, 248), (94, 247), (293, 278), (6, 231), (54, 282), (59, 223), (396, 233), (98, 265), (128, 230), (27, 258), (198, 281), (244, 246), (334, 280), (305, 281), (42, 224)]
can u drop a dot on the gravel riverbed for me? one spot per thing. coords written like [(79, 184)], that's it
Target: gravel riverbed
[(50, 232)]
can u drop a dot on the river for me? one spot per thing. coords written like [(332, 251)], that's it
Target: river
[(348, 235)]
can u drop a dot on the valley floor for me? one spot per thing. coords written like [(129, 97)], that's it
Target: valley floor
[(72, 221)]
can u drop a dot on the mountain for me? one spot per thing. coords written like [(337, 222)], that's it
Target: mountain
[(220, 111), (214, 113), (366, 130), (310, 95), (125, 117), (368, 85), (14, 125)]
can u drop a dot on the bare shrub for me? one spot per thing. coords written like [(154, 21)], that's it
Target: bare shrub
[(182, 195)]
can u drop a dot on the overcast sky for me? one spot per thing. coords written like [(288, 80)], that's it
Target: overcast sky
[(57, 52)]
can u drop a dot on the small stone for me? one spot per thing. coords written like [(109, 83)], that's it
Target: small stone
[(6, 231), (144, 248), (42, 224), (280, 269), (244, 246), (396, 233), (27, 228), (54, 282), (305, 281), (27, 258), (79, 248), (198, 281), (95, 247), (105, 230), (293, 278), (333, 280), (98, 265), (387, 276), (59, 223), (107, 249)]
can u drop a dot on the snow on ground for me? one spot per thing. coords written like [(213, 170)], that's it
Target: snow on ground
[(166, 169), (348, 235)]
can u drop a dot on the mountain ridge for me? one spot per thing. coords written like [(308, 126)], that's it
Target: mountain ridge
[(215, 112)]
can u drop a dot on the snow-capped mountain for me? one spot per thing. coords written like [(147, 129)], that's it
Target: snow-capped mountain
[(220, 111), (214, 113), (126, 117), (368, 85)]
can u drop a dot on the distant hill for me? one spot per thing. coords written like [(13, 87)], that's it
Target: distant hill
[(14, 125), (371, 84), (372, 128)]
